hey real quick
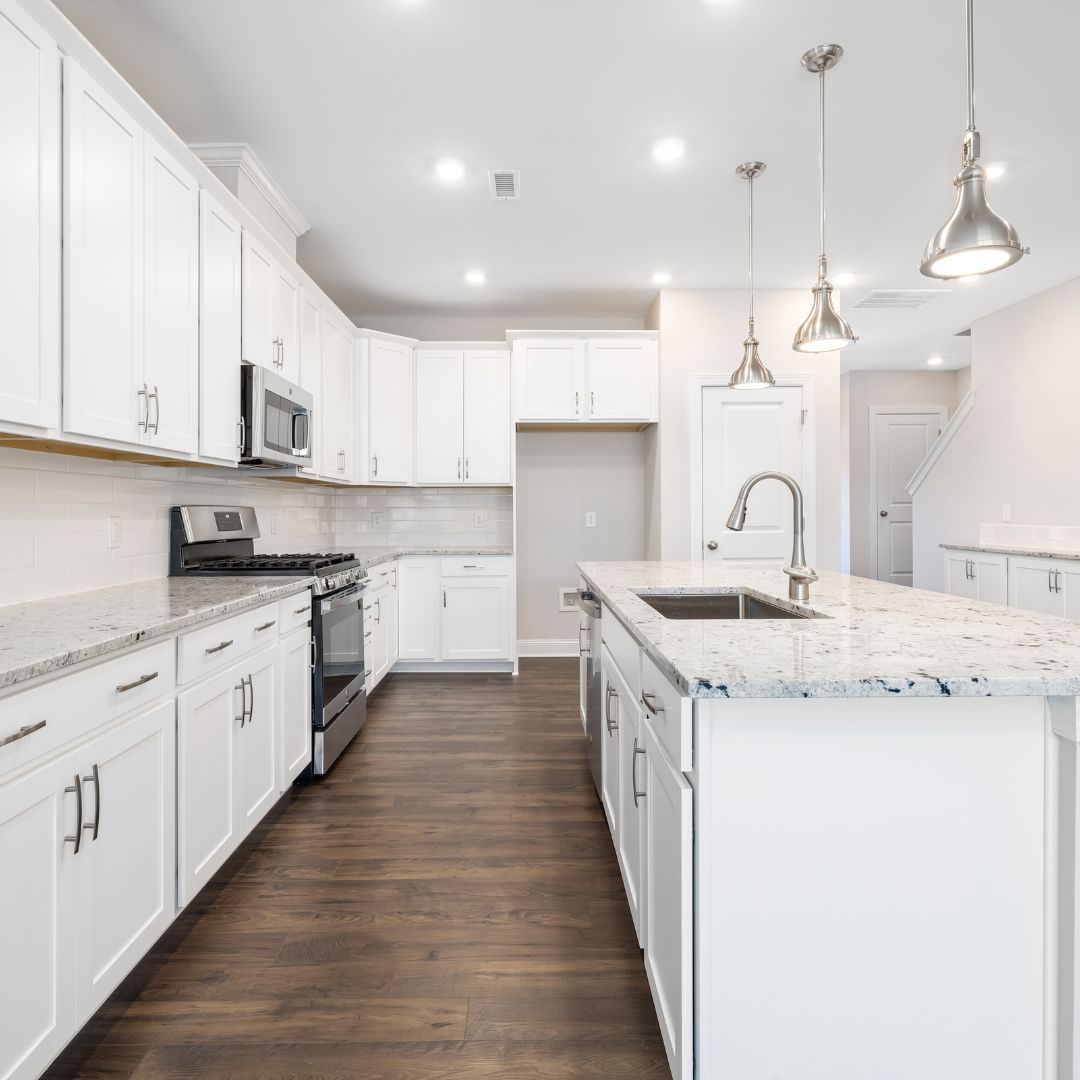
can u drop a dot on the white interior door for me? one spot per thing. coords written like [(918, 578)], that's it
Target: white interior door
[(901, 442), (745, 432)]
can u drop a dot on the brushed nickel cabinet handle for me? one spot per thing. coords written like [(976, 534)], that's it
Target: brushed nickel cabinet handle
[(592, 401), (1050, 580), (649, 701), (157, 410), (251, 707), (577, 403), (612, 722), (444, 598), (459, 468), (312, 644), (95, 777), (265, 626), (144, 393), (77, 838), (633, 772), (301, 610), (1057, 581), (374, 464), (217, 648), (466, 468), (141, 681), (26, 729), (242, 687), (240, 434)]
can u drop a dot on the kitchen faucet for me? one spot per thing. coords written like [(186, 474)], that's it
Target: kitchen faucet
[(799, 574)]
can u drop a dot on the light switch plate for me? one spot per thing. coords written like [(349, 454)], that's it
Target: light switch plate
[(479, 519), (1006, 512), (590, 519), (377, 520), (114, 533)]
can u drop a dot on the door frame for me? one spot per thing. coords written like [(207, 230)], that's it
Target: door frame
[(806, 383), (871, 436)]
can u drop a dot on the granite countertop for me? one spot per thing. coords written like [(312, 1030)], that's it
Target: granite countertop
[(43, 636), (374, 555), (1005, 549), (878, 640)]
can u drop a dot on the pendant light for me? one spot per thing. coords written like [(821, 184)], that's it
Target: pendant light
[(974, 240), (823, 330), (751, 374)]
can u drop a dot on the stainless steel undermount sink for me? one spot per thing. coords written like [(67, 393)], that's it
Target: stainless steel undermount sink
[(719, 605)]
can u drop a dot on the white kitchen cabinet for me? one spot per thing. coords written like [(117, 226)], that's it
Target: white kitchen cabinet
[(476, 618), (171, 298), (30, 222), (393, 614), (550, 378), (219, 331), (126, 888), (1035, 585), (977, 575), (311, 318), (419, 611), (104, 173), (667, 896), (623, 379), (259, 344), (257, 752), (285, 315), (294, 665), (629, 843), (959, 579), (377, 648), (390, 412), (37, 1005), (488, 428), (339, 403), (609, 750)]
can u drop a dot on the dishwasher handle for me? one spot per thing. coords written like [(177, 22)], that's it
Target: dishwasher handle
[(588, 603)]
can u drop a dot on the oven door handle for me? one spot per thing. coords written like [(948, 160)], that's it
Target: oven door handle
[(332, 603)]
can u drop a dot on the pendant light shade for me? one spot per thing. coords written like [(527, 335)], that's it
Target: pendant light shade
[(822, 330), (751, 374), (974, 240)]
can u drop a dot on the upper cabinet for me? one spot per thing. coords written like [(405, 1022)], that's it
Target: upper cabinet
[(271, 311), (463, 426), (390, 411), (30, 220), (311, 369), (338, 424), (602, 379)]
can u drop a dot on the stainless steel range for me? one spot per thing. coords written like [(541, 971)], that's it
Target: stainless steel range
[(208, 540)]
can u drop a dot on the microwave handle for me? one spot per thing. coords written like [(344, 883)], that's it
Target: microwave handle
[(301, 436)]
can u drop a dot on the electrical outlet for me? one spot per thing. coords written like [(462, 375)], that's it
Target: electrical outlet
[(479, 519), (590, 519), (114, 533), (1006, 512), (273, 524), (377, 520)]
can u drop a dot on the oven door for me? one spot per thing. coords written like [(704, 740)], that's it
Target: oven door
[(277, 418), (339, 653)]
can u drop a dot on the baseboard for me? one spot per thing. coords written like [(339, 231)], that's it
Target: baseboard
[(548, 647), (444, 667)]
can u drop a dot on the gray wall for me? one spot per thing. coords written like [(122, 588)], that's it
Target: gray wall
[(561, 475)]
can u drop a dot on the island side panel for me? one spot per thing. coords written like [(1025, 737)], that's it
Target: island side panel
[(871, 878)]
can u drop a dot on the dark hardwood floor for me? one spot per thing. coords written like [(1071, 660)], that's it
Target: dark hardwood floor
[(446, 905)]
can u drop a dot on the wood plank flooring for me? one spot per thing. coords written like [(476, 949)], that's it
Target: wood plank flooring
[(446, 905)]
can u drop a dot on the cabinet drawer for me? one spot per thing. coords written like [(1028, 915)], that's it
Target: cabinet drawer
[(625, 651), (669, 714), (70, 707), (383, 574), (476, 566), (294, 612), (213, 647)]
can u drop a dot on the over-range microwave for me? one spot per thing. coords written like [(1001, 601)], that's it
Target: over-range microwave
[(277, 418)]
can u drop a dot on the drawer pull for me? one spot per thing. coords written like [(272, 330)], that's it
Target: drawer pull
[(301, 610), (217, 648), (27, 729), (265, 626), (472, 566), (77, 838), (649, 701), (633, 772), (142, 681)]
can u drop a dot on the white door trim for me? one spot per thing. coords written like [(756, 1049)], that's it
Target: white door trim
[(874, 412), (806, 382)]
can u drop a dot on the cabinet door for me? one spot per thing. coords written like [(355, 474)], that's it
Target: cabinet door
[(126, 893), (959, 578), (208, 803), (475, 619), (488, 427), (609, 750), (286, 322), (439, 417), (668, 899), (550, 378), (623, 379), (30, 222), (339, 397), (219, 331), (171, 344), (257, 752), (258, 305), (37, 1004), (991, 578), (104, 392), (295, 668), (379, 643), (630, 843), (1033, 586), (390, 412), (419, 618), (311, 371), (392, 615)]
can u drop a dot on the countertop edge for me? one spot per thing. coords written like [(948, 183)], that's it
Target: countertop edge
[(1005, 549)]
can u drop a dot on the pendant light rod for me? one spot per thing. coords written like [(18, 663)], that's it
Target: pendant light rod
[(971, 63), (821, 168), (750, 243)]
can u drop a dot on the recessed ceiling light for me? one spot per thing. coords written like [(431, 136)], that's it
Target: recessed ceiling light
[(842, 281), (934, 361), (669, 150), (995, 170), (661, 277), (475, 277), (450, 170)]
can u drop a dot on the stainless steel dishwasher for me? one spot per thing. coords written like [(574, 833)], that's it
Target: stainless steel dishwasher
[(589, 648)]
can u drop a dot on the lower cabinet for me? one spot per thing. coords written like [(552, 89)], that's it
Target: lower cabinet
[(418, 609), (475, 618), (1048, 586), (294, 661), (611, 734), (977, 575), (258, 740), (629, 842), (381, 624)]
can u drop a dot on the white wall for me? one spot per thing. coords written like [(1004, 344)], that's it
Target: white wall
[(486, 327), (701, 332), (1018, 445), (560, 476), (865, 389)]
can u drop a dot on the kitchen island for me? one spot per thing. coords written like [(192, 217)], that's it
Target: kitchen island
[(847, 828)]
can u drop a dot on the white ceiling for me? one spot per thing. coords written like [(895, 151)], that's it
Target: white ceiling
[(349, 103)]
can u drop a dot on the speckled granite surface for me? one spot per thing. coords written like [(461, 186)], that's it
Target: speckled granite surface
[(47, 635), (374, 555), (1003, 549), (878, 640)]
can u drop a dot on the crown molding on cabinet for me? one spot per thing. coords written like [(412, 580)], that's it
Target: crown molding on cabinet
[(514, 335)]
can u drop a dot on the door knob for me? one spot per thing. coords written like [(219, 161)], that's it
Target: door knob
[(883, 513), (712, 545)]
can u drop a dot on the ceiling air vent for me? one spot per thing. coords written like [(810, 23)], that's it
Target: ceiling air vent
[(505, 184), (900, 299)]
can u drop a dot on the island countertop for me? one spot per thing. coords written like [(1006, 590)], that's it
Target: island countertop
[(873, 639)]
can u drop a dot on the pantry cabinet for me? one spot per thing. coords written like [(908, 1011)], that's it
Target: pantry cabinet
[(390, 411), (30, 222)]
